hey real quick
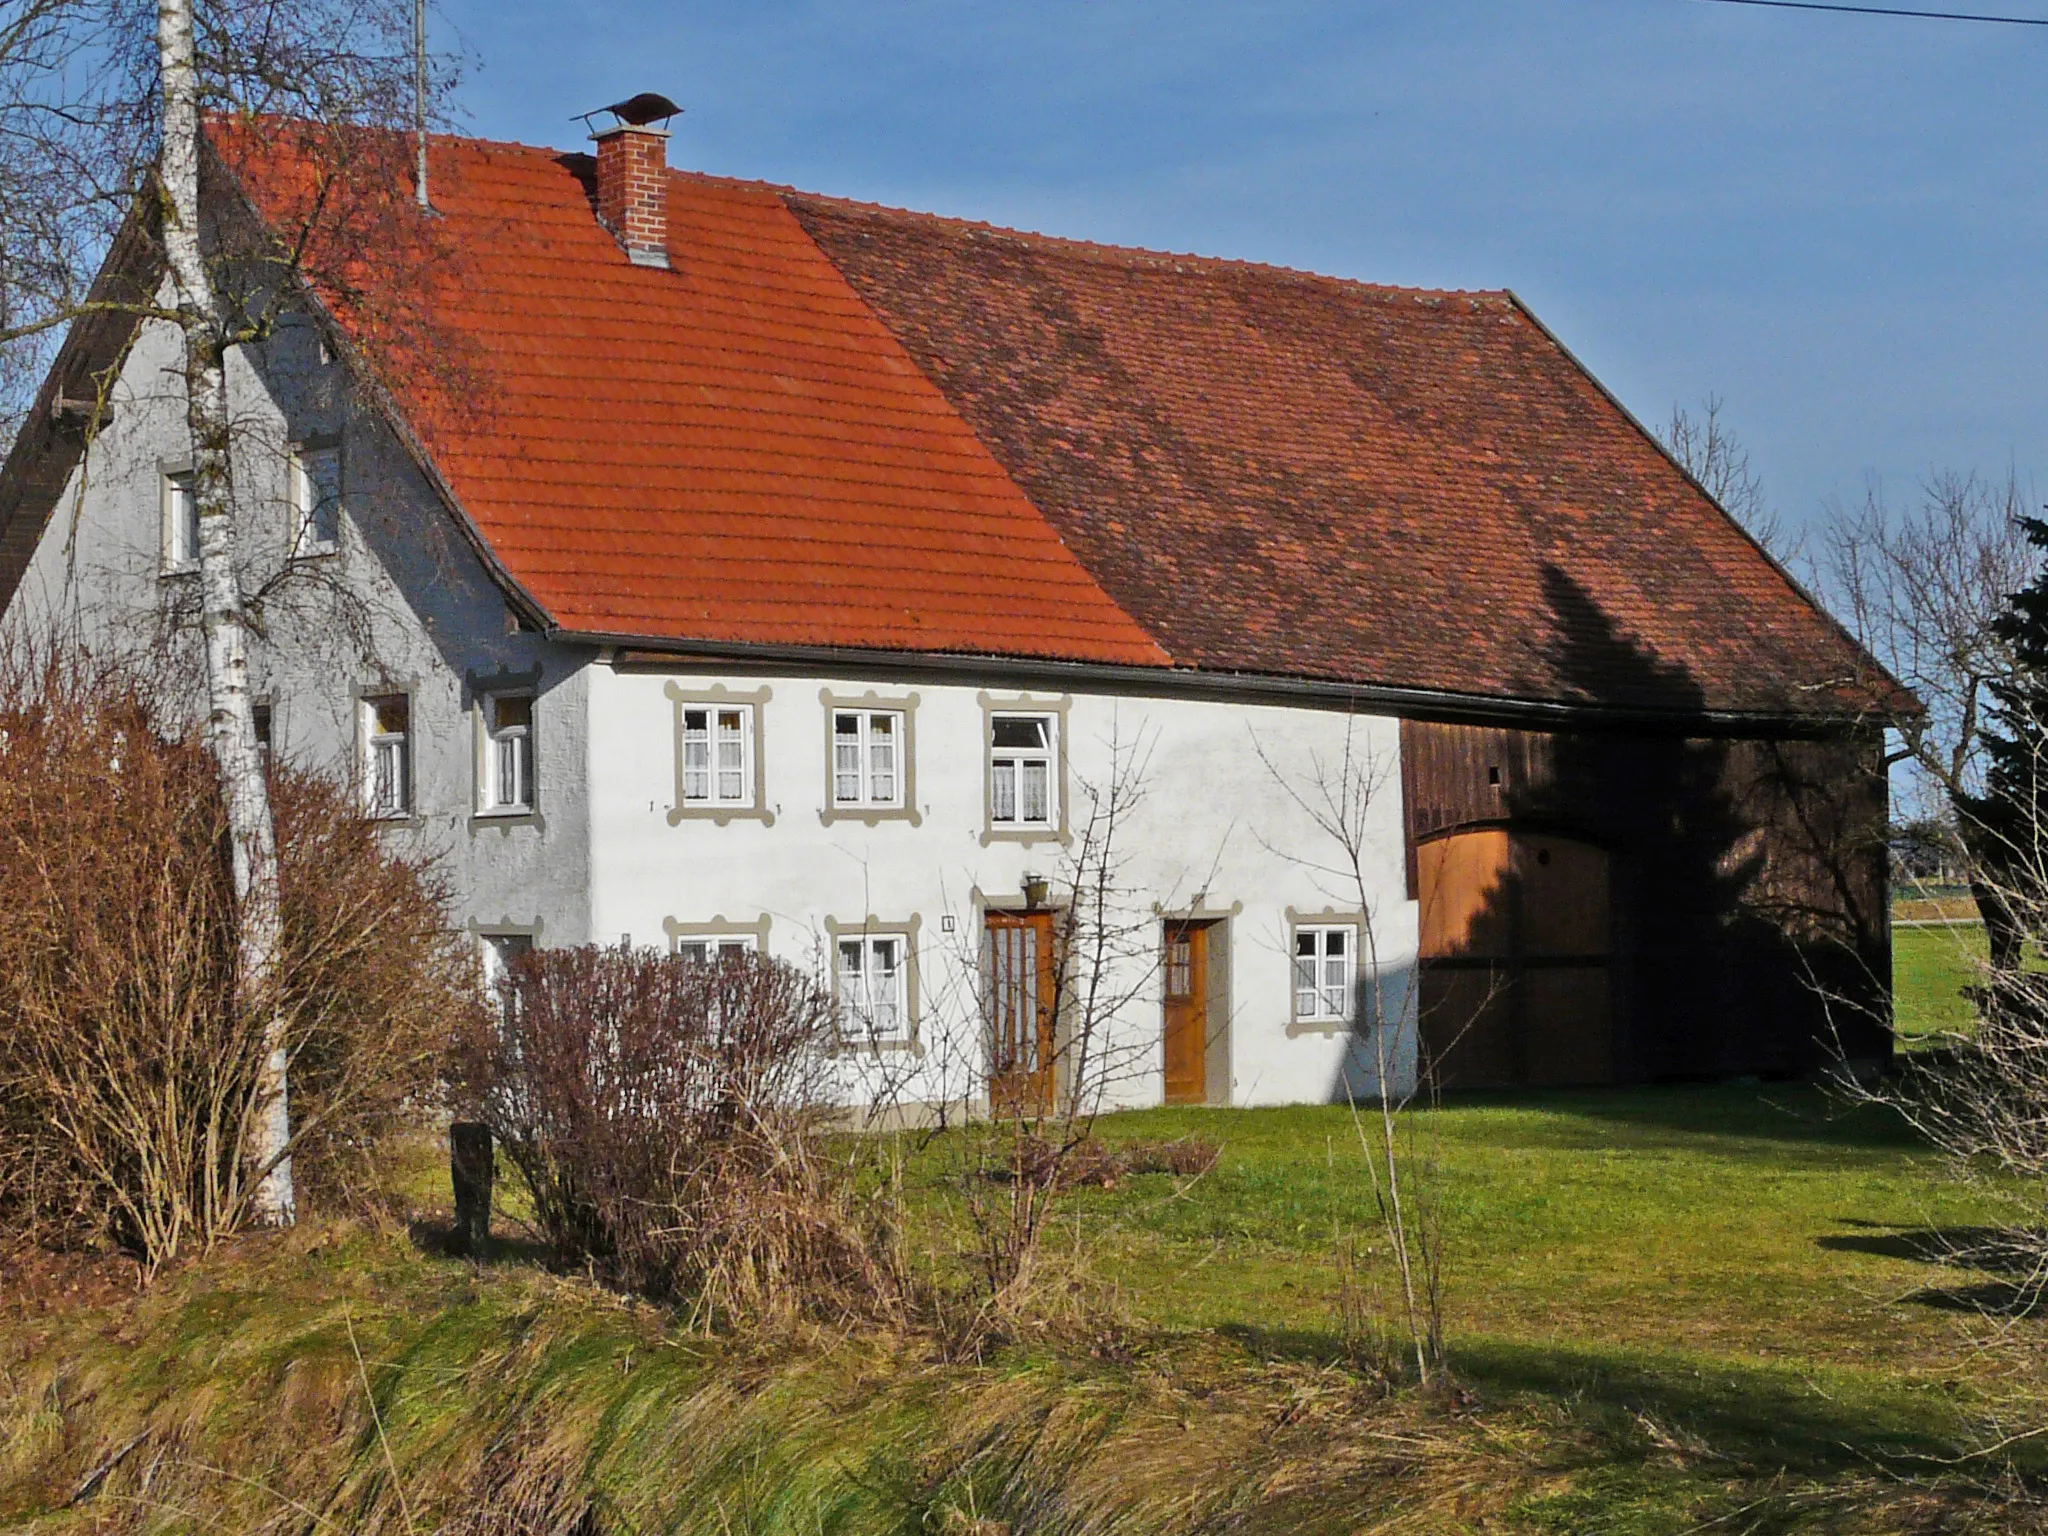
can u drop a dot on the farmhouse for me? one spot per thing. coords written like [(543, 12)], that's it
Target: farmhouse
[(720, 565)]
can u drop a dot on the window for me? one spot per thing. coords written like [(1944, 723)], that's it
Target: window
[(316, 500), (181, 523), (387, 755), (500, 952), (508, 752), (872, 987), (711, 951), (1323, 972), (260, 713), (867, 757), (1020, 771), (718, 751)]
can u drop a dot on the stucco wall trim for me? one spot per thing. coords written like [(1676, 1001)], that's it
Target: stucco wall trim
[(873, 815), (718, 695), (1059, 707)]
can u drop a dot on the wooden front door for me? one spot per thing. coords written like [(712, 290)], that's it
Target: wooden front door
[(1515, 959), (1023, 997), (1187, 1013)]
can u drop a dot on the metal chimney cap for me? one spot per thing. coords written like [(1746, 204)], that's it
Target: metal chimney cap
[(637, 111)]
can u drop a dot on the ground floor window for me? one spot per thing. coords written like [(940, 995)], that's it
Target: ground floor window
[(873, 986), (709, 951), (1325, 968)]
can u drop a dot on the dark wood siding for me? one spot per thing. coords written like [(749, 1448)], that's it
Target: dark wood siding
[(1747, 880)]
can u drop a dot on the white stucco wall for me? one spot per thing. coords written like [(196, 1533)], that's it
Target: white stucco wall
[(1212, 824), (407, 604), (404, 604)]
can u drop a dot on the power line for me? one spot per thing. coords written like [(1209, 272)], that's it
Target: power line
[(1886, 10)]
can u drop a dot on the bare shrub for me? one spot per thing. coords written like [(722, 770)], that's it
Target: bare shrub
[(131, 1064), (1090, 1163), (669, 1119)]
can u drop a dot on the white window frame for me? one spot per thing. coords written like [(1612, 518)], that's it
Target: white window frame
[(307, 540), (180, 525), (503, 745), (862, 1016), (716, 774), (863, 773), (709, 948), (378, 743), (1016, 761), (1324, 985)]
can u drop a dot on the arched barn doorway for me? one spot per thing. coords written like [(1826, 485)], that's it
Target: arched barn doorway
[(1517, 950)]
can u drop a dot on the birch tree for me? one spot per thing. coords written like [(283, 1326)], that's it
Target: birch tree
[(103, 134), (231, 719)]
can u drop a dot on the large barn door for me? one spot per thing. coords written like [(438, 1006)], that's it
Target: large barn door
[(1516, 939)]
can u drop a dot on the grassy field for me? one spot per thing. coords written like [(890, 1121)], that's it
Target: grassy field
[(1697, 1309), (1930, 968)]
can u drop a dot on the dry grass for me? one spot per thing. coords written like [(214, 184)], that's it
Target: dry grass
[(507, 1398)]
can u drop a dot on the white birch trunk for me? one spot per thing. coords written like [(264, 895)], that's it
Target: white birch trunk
[(231, 721)]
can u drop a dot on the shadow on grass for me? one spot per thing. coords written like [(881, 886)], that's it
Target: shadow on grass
[(1762, 1419), (1777, 1112), (436, 1238), (2013, 1257), (1770, 1419)]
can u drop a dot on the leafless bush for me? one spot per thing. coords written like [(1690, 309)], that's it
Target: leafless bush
[(1046, 1011), (130, 1063), (1091, 1163), (667, 1117)]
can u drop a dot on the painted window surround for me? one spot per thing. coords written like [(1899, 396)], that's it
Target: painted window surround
[(908, 930), (1057, 708), (716, 697), (906, 769), (481, 688), (717, 928), (407, 688), (1329, 917)]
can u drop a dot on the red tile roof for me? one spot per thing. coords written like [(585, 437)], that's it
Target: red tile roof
[(841, 426), (735, 450)]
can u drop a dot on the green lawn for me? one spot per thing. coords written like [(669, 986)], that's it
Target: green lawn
[(1930, 968), (1673, 1310)]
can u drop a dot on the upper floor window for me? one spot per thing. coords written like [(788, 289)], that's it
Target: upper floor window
[(316, 500), (1325, 968), (262, 718), (873, 987), (508, 752), (1021, 784), (181, 523), (718, 756), (867, 757), (387, 755), (719, 773)]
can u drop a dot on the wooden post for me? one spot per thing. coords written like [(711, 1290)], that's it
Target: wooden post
[(471, 1165)]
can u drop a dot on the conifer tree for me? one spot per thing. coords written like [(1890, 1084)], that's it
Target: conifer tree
[(2006, 826)]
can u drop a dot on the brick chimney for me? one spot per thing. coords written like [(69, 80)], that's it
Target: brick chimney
[(632, 190)]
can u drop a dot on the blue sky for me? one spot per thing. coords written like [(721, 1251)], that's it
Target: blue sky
[(1835, 223)]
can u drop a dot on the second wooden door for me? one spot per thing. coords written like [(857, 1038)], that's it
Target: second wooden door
[(1187, 1013)]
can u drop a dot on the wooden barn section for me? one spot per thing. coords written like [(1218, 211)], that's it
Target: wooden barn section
[(1612, 905)]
